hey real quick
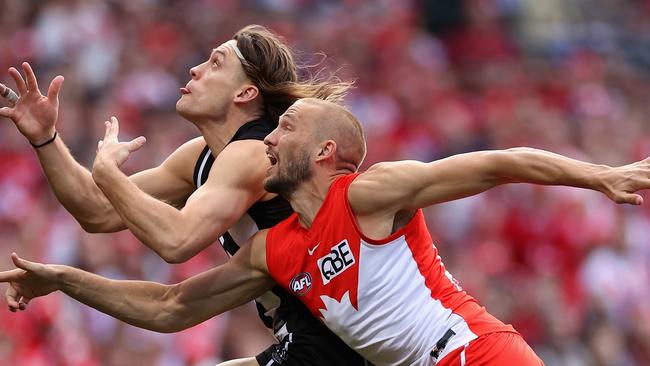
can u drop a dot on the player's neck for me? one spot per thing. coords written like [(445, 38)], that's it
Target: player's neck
[(308, 199), (218, 132)]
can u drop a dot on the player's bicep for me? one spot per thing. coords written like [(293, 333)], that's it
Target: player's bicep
[(409, 185), (455, 177)]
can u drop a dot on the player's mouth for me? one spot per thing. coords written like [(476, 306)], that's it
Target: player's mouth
[(186, 90), (272, 158)]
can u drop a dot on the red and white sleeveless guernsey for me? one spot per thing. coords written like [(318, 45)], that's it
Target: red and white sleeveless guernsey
[(390, 300)]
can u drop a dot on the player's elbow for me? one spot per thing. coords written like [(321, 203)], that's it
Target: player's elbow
[(173, 316), (97, 226), (177, 251), (498, 166), (172, 257)]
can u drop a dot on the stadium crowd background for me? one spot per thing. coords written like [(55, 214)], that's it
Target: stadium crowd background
[(568, 268)]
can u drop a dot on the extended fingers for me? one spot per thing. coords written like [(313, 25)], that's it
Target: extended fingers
[(23, 263), (112, 129), (136, 143), (107, 129), (55, 88), (32, 84), (18, 79), (12, 275)]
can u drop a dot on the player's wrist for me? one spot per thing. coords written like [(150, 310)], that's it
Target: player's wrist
[(102, 169), (603, 180), (63, 277), (47, 139)]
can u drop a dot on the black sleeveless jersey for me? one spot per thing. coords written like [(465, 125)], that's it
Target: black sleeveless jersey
[(280, 311)]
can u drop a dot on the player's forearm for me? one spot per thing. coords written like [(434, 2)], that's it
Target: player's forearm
[(147, 305), (527, 165), (75, 189), (156, 224)]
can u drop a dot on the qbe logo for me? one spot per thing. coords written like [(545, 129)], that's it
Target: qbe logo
[(301, 283), (338, 260)]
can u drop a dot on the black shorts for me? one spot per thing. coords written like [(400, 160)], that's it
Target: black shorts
[(305, 341), (291, 352)]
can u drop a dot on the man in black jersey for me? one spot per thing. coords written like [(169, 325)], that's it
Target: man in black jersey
[(234, 98)]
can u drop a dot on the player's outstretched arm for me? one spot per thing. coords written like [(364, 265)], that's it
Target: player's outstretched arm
[(149, 305), (408, 185), (176, 235), (35, 116)]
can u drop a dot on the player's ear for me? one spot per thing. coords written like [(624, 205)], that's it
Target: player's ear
[(326, 150), (247, 93)]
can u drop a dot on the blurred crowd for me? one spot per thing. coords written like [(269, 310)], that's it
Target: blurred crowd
[(568, 268)]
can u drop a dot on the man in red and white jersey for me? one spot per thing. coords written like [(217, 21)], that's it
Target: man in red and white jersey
[(356, 251)]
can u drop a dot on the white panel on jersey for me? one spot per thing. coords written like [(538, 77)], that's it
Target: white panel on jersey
[(243, 229), (397, 318)]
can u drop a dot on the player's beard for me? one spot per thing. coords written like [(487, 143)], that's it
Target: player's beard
[(291, 172)]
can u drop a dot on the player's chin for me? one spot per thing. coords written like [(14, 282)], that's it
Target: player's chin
[(184, 108), (270, 183), (180, 105)]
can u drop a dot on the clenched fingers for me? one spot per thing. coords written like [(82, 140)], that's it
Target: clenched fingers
[(13, 298)]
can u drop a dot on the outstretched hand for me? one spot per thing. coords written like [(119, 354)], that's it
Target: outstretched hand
[(110, 151), (27, 281), (622, 183), (34, 114)]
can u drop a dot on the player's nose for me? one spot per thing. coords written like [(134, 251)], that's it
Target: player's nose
[(270, 139), (194, 72)]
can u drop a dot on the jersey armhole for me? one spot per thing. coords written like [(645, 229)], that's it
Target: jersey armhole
[(418, 215), (199, 166)]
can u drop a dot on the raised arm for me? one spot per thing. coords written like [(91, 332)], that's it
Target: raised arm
[(409, 185), (234, 184), (35, 116), (149, 305)]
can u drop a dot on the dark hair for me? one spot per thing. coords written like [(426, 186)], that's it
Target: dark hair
[(270, 65)]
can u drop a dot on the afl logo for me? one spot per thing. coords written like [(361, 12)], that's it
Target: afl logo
[(301, 283)]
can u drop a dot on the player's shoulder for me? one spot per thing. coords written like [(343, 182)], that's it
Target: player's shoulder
[(248, 147), (189, 151), (388, 172), (242, 164), (381, 188), (243, 155), (182, 160), (369, 179)]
